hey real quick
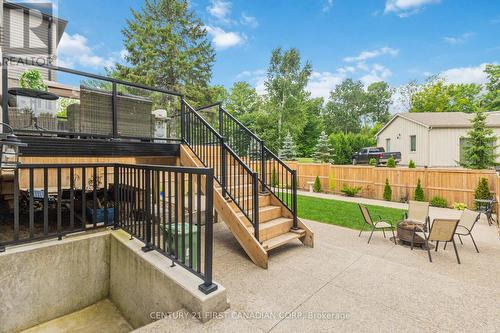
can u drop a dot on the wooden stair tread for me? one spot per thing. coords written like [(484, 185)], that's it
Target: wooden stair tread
[(262, 210), (282, 239), (272, 223)]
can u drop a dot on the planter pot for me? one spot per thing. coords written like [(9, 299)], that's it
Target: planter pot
[(100, 214)]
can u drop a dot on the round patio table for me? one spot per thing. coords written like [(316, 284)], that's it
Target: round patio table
[(405, 232)]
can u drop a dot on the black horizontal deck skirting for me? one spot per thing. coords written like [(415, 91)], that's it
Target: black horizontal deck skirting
[(44, 146)]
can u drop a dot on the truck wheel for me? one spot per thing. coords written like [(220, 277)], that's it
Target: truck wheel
[(354, 161)]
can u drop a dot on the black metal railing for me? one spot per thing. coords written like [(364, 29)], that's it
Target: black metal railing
[(236, 178), (85, 105), (169, 209), (274, 174)]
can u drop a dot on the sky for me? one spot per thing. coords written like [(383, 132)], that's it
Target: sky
[(370, 40)]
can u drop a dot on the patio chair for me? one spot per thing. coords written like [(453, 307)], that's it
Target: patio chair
[(465, 225), (418, 212), (375, 225), (442, 230)]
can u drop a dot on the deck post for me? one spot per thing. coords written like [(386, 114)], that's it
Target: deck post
[(208, 286)]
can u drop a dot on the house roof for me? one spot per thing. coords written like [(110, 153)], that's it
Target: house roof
[(444, 119)]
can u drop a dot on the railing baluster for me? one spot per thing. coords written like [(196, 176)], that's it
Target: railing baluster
[(71, 198), (116, 189), (94, 197), (16, 204), (198, 222), (148, 246), (45, 201), (84, 197), (31, 203), (190, 219), (59, 203)]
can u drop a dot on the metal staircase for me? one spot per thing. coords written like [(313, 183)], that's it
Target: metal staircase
[(255, 191)]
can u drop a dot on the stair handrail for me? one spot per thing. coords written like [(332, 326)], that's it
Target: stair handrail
[(266, 157), (224, 176)]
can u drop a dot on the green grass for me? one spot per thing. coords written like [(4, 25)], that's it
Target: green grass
[(345, 214)]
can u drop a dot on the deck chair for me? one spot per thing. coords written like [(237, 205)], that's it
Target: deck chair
[(442, 230), (466, 223), (380, 225), (418, 212)]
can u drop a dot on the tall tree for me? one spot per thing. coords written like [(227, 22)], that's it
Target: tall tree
[(167, 46), (378, 97), (307, 138), (480, 151), (345, 107), (286, 83), (437, 96), (243, 99), (491, 100), (405, 94)]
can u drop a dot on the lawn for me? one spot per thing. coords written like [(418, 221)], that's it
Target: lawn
[(345, 214)]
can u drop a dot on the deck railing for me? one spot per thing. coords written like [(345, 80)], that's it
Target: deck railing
[(169, 209), (85, 105)]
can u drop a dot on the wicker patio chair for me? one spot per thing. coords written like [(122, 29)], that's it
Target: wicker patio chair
[(418, 212), (442, 230), (466, 223), (380, 225)]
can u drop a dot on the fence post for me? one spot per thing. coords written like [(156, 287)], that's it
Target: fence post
[(148, 246), (294, 200), (116, 190), (208, 286), (114, 111), (263, 165), (255, 206)]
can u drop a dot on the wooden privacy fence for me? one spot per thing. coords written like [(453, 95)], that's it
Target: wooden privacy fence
[(454, 185)]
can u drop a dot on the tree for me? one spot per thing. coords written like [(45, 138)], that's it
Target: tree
[(406, 93), (286, 83), (307, 138), (437, 96), (167, 46), (289, 151), (242, 100), (491, 100), (480, 150), (387, 191), (32, 79), (419, 192), (345, 144), (323, 151), (378, 97), (345, 107)]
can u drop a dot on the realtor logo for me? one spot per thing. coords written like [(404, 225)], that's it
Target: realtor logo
[(29, 29)]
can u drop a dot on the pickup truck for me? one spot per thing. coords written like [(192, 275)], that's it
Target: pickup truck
[(366, 154)]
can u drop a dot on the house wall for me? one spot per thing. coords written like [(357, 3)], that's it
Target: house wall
[(399, 131), (15, 37), (445, 146)]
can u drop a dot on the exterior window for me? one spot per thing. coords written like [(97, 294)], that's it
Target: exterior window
[(387, 144), (413, 143)]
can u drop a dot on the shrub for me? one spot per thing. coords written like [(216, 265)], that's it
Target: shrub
[(317, 185), (387, 191), (32, 79), (482, 190), (373, 162), (350, 191), (459, 205), (411, 164), (391, 163), (438, 201), (419, 192)]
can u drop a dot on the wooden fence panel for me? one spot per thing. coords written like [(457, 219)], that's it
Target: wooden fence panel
[(454, 185)]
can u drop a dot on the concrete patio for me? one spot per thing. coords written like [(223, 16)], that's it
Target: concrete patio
[(347, 285)]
